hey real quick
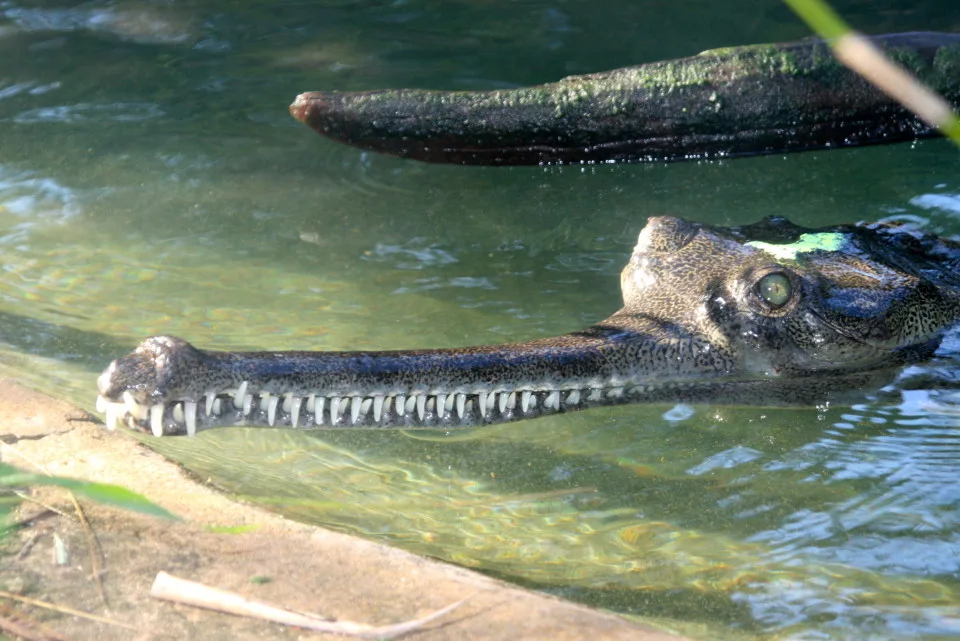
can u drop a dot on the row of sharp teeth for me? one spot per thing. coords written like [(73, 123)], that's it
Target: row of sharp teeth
[(463, 404)]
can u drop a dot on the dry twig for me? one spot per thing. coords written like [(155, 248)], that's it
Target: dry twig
[(26, 497), (62, 609), (93, 547), (26, 630), (178, 590), (28, 545)]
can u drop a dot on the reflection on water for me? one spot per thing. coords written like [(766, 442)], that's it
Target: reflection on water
[(151, 182)]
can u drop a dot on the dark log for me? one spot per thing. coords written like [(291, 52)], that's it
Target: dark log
[(736, 101)]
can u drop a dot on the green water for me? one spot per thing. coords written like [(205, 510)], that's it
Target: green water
[(152, 182)]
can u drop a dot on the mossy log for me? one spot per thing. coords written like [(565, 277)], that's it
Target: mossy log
[(737, 101)]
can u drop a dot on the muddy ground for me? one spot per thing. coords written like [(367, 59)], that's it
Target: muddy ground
[(288, 564)]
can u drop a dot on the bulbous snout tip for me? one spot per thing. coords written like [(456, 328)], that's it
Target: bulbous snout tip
[(665, 234)]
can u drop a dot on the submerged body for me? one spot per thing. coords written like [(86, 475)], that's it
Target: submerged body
[(736, 101), (767, 314)]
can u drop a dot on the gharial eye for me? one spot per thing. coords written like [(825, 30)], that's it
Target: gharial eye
[(775, 289)]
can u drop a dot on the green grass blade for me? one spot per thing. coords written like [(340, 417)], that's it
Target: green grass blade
[(927, 105), (100, 492), (820, 17)]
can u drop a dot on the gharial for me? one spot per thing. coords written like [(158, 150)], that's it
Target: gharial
[(768, 313)]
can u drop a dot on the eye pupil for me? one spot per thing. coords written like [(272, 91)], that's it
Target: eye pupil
[(774, 289)]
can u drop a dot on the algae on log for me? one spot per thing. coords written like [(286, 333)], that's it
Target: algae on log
[(735, 101)]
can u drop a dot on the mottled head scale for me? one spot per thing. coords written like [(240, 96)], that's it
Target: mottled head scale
[(789, 299)]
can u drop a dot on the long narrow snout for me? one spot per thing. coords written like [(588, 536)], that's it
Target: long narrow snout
[(167, 386)]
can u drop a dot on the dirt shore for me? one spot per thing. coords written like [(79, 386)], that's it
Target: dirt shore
[(287, 564)]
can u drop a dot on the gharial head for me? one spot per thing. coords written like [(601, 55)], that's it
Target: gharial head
[(786, 300), (769, 313)]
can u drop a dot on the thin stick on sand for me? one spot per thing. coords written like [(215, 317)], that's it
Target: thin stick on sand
[(171, 588)]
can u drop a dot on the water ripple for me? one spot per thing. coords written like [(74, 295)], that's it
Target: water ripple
[(91, 112), (603, 262), (415, 254), (944, 202), (141, 25), (32, 198)]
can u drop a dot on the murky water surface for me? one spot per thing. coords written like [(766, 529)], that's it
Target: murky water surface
[(152, 182)]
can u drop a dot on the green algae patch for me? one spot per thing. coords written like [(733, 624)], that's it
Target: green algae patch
[(824, 241)]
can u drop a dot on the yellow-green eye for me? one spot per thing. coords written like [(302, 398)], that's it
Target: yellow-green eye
[(775, 289)]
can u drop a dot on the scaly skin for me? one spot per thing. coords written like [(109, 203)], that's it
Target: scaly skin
[(699, 324), (736, 101)]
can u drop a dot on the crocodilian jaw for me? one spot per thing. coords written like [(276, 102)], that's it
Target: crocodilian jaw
[(241, 406), (167, 386)]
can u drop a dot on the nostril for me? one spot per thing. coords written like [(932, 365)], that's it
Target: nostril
[(665, 234)]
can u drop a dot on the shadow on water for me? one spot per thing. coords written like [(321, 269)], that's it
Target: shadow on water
[(59, 342)]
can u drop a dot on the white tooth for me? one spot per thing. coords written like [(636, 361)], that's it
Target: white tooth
[(365, 406), (512, 400), (448, 404), (209, 406), (265, 399), (504, 397), (594, 395), (616, 392), (401, 409), (431, 404), (190, 414), (387, 404), (247, 404), (573, 398), (334, 409), (272, 402), (410, 404), (156, 419), (524, 401), (216, 406), (482, 403), (240, 395), (130, 403), (101, 404), (491, 400), (112, 415), (318, 410), (295, 402), (441, 405), (461, 404), (552, 401), (287, 402), (377, 408), (311, 399), (355, 409), (130, 406), (421, 405), (178, 413)]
